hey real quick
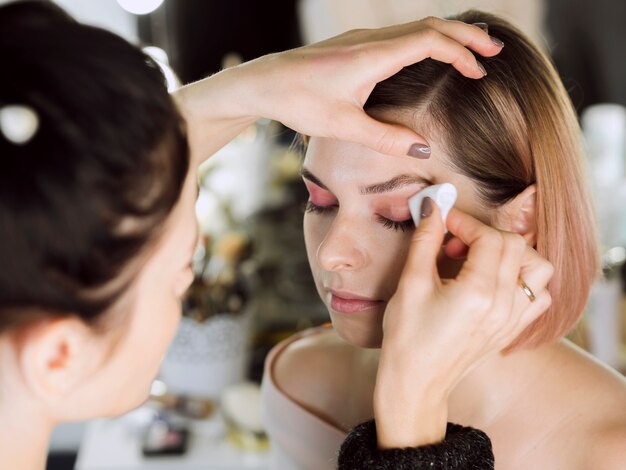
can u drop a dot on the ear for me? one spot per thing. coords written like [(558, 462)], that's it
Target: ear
[(56, 356), (519, 215)]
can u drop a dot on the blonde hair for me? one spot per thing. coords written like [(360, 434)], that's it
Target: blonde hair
[(511, 129)]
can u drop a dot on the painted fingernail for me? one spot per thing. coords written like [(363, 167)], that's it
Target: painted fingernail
[(481, 67), (427, 207), (483, 26), (419, 151), (496, 41)]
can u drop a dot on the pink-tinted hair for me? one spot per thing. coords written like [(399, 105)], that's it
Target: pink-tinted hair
[(511, 129)]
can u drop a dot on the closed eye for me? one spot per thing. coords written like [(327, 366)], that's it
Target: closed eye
[(314, 208), (403, 225)]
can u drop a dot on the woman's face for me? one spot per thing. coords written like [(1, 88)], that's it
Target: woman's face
[(150, 315), (357, 227)]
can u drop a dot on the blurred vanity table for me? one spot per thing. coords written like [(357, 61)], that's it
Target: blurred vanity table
[(115, 444)]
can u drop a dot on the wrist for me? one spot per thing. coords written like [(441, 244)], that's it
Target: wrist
[(409, 417), (410, 404)]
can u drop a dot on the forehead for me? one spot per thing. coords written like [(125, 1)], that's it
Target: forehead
[(364, 162), (335, 160)]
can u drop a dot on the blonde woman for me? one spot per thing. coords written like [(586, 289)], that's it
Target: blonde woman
[(417, 351)]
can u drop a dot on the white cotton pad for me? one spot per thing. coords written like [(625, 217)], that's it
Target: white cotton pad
[(444, 196)]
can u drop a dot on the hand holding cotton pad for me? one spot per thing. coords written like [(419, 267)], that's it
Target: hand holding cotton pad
[(444, 196)]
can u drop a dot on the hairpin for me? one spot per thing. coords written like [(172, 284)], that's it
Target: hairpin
[(18, 123)]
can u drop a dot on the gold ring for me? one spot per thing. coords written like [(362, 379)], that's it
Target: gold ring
[(527, 290)]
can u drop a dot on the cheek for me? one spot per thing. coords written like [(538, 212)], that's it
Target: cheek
[(159, 315), (389, 260), (181, 282), (315, 229)]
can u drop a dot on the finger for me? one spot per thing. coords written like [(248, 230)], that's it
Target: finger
[(471, 36), (425, 246), (456, 249), (513, 252), (427, 43), (484, 246), (532, 311), (385, 138), (536, 272), (444, 40)]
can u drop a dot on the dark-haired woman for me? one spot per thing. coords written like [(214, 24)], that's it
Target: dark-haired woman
[(97, 185)]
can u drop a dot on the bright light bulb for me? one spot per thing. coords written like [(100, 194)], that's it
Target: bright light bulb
[(140, 7)]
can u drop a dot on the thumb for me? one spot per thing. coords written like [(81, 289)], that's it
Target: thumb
[(426, 243), (385, 138)]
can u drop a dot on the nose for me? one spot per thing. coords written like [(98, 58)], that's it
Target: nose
[(341, 249)]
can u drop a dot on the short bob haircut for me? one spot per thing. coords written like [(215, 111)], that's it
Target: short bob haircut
[(511, 129)]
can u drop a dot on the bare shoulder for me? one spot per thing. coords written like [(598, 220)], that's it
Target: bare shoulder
[(600, 404), (607, 447), (607, 431), (307, 364), (321, 370)]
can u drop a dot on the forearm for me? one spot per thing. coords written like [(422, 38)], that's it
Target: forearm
[(216, 110), (321, 89)]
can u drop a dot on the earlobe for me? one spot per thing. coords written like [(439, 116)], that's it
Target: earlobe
[(522, 214), (54, 357)]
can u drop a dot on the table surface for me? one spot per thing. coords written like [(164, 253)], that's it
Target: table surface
[(114, 444)]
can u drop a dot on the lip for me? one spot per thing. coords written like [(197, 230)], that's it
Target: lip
[(347, 302)]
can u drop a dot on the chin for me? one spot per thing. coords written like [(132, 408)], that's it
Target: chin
[(359, 329)]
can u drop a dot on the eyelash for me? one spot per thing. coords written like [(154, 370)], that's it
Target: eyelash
[(403, 226)]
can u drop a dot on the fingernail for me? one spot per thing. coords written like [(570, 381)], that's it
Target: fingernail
[(496, 41), (419, 151), (427, 207), (481, 67), (483, 26)]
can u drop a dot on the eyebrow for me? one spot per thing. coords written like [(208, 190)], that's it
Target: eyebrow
[(394, 183)]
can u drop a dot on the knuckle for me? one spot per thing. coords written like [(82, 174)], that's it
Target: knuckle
[(546, 301), (356, 31), (495, 238), (421, 236), (431, 21), (549, 268), (430, 35), (340, 126), (516, 245), (517, 242), (386, 142)]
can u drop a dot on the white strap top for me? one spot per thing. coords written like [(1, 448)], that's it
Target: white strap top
[(299, 439)]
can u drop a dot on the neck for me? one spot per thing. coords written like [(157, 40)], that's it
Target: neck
[(25, 429), (23, 439), (498, 385)]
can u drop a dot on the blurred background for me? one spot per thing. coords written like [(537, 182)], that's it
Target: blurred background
[(253, 286)]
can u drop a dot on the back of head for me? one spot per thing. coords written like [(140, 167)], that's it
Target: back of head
[(84, 197), (511, 129)]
